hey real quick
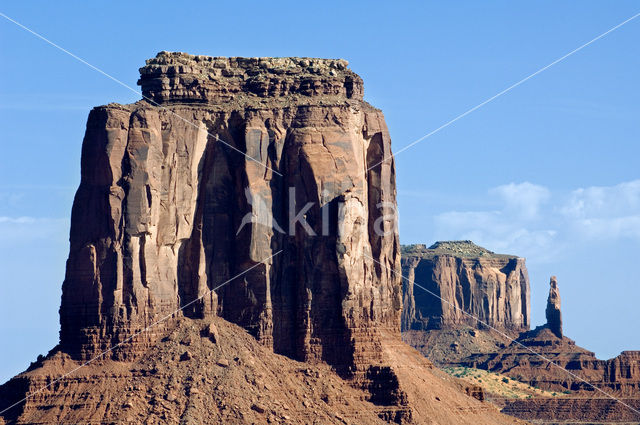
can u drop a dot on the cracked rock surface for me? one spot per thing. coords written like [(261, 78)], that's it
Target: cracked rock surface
[(182, 196), (458, 277)]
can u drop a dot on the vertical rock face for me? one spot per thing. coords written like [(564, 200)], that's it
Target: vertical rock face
[(458, 277), (553, 313), (623, 372), (180, 196)]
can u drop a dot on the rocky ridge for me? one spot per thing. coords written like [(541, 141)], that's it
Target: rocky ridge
[(526, 359), (522, 360)]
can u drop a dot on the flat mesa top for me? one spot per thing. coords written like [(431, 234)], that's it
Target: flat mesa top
[(176, 77), (275, 64), (463, 249)]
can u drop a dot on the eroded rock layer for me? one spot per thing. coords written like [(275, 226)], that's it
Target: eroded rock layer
[(266, 165), (575, 411), (577, 369), (589, 390), (451, 284), (200, 376)]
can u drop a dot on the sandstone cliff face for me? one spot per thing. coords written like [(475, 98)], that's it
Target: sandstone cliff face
[(574, 411), (157, 220), (491, 287), (177, 201)]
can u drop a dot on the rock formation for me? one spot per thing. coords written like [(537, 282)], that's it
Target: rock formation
[(575, 411), (458, 277), (449, 269), (447, 340), (527, 360), (553, 313), (576, 373), (190, 379), (184, 193), (252, 190)]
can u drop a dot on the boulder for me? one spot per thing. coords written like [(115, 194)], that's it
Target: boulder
[(211, 332)]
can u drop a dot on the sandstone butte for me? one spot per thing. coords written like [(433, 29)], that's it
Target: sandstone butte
[(311, 334), (495, 289), (492, 289)]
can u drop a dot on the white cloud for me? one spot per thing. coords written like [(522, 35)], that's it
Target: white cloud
[(529, 224), (604, 201), (518, 226), (609, 228), (499, 231), (522, 199), (605, 212)]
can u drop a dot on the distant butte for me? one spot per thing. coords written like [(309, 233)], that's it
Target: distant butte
[(465, 278), (475, 280)]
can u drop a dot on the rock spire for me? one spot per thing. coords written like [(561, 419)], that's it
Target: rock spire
[(553, 313)]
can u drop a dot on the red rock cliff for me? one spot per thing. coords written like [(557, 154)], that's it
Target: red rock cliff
[(158, 218), (167, 212), (464, 277)]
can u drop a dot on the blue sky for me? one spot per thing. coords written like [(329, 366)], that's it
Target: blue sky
[(549, 171)]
